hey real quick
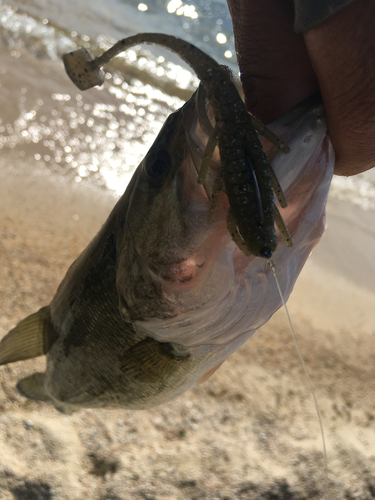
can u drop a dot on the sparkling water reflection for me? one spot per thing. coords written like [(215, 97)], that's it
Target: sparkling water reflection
[(100, 136)]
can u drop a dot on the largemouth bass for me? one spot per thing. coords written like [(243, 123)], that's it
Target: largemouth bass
[(163, 295)]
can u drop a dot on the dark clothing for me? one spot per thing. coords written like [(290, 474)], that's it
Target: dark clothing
[(308, 13)]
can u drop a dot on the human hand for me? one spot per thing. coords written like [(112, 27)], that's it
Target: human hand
[(280, 68)]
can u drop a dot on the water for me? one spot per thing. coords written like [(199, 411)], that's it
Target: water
[(101, 135)]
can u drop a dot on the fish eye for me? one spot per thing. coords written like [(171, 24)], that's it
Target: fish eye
[(160, 164), (157, 168)]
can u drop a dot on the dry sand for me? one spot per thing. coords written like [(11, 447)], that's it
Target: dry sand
[(249, 432)]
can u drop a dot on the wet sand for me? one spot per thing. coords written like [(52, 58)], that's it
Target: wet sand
[(250, 431)]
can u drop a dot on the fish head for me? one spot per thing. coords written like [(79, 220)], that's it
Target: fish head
[(166, 244), (180, 277)]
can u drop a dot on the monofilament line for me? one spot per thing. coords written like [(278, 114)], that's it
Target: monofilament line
[(272, 265)]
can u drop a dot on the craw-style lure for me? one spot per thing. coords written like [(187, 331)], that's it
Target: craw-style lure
[(245, 175)]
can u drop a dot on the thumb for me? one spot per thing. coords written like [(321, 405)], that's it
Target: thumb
[(342, 51)]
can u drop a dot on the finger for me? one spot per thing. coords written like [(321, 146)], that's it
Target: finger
[(276, 72), (342, 51)]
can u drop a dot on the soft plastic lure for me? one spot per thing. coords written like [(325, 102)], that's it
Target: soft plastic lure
[(245, 175)]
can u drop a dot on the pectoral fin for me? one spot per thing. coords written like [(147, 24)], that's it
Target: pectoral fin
[(32, 387), (150, 361), (32, 337)]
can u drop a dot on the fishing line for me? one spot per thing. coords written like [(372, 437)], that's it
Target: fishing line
[(272, 265)]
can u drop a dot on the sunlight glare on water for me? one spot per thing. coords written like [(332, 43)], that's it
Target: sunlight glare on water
[(101, 136), (101, 140)]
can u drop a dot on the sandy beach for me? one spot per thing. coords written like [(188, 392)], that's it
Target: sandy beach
[(250, 431)]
